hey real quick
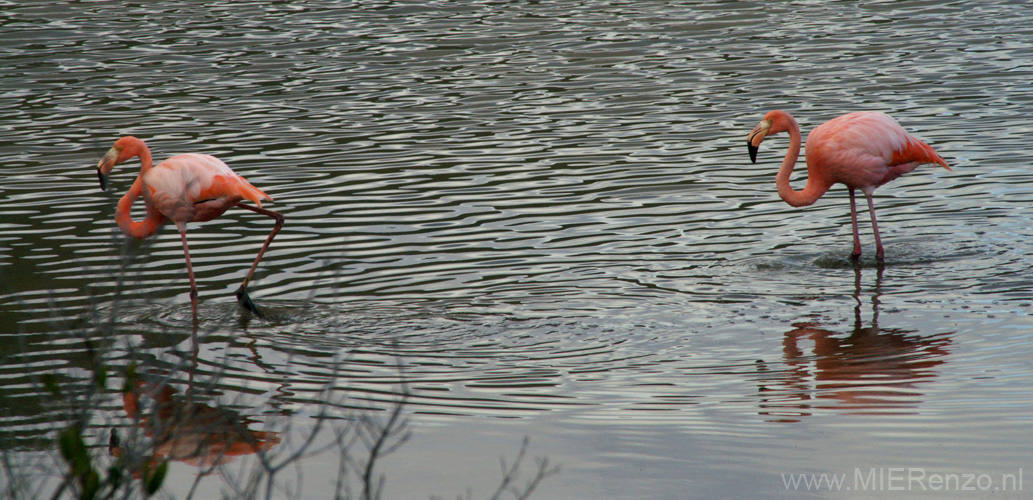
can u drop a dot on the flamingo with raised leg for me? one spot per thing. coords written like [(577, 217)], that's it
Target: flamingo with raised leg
[(862, 150), (184, 188)]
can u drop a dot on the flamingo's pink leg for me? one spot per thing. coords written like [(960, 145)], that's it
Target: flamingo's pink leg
[(879, 254), (856, 254), (190, 272), (242, 296)]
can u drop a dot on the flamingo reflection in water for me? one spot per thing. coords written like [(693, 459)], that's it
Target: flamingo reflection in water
[(869, 370), (188, 431)]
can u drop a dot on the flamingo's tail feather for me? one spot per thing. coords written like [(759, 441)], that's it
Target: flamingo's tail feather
[(918, 151), (249, 192), (234, 185)]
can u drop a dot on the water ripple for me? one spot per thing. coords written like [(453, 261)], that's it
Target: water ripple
[(535, 207)]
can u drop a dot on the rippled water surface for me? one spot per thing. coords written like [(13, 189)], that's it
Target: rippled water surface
[(536, 219)]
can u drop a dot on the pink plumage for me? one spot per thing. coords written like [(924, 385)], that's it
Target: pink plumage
[(864, 149), (861, 150), (197, 188), (184, 188)]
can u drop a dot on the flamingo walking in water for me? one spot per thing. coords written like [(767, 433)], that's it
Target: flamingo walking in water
[(184, 188), (862, 150)]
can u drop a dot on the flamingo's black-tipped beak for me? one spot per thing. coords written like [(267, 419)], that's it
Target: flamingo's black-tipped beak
[(756, 136), (105, 165)]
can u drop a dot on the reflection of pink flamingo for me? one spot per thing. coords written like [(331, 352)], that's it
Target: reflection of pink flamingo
[(184, 188), (192, 432), (872, 369), (862, 150)]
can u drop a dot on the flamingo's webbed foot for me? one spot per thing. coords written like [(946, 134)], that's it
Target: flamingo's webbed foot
[(245, 301)]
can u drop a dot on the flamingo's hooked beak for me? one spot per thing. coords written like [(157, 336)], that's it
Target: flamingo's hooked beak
[(104, 167), (756, 136)]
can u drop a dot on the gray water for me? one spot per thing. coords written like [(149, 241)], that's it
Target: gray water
[(538, 219)]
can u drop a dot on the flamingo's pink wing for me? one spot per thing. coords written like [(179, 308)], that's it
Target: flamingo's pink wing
[(197, 187), (866, 149)]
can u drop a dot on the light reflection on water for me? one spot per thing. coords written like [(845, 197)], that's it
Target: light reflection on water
[(544, 212)]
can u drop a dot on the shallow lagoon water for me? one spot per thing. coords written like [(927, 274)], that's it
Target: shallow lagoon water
[(538, 220)]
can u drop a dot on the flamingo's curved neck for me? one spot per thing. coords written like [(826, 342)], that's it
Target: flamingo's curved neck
[(123, 213), (815, 186), (145, 158)]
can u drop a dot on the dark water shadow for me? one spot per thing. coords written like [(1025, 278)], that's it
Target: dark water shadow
[(869, 370)]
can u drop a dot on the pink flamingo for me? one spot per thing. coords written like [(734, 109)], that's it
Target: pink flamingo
[(184, 188), (862, 150)]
